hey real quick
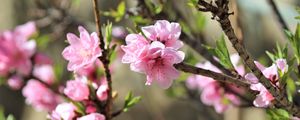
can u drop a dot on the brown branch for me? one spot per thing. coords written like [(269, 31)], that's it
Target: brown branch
[(278, 15), (105, 60), (222, 13), (216, 76)]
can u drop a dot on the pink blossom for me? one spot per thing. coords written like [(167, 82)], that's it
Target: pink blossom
[(282, 65), (212, 93), (82, 51), (90, 109), (65, 111), (264, 98), (77, 90), (44, 73), (135, 44), (15, 50), (157, 62), (102, 91), (119, 32), (15, 82), (38, 95), (165, 32), (92, 116)]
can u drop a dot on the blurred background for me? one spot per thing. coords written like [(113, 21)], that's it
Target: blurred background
[(253, 20)]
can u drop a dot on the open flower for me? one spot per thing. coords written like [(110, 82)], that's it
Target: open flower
[(157, 62), (82, 51), (165, 32), (264, 98), (77, 90)]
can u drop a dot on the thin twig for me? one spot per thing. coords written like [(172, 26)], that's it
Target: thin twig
[(216, 76), (278, 15), (222, 13), (104, 60)]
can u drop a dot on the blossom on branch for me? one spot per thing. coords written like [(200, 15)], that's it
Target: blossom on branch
[(214, 93), (264, 98), (156, 54), (82, 51), (16, 50), (77, 89), (39, 96)]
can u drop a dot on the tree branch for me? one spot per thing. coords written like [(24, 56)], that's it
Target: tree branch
[(216, 76), (105, 60), (221, 12)]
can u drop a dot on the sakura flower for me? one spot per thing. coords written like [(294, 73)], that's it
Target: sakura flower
[(65, 111), (135, 44), (157, 62), (77, 90), (165, 32), (39, 96), (92, 116), (44, 73), (15, 50), (264, 98), (212, 93), (15, 82), (82, 51)]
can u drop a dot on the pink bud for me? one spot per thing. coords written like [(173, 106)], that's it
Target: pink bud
[(15, 82), (92, 116), (66, 111), (102, 92)]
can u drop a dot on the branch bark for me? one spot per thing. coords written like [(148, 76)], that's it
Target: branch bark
[(216, 76), (105, 61), (221, 11)]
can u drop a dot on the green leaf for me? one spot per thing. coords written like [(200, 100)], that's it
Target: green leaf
[(108, 34), (76, 2), (10, 117), (291, 89), (130, 101), (121, 9), (278, 114), (140, 20), (222, 53), (158, 9), (2, 116), (42, 41), (193, 3)]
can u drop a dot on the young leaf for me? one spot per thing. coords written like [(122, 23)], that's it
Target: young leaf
[(130, 101), (222, 53), (121, 9), (277, 114), (10, 117), (2, 116)]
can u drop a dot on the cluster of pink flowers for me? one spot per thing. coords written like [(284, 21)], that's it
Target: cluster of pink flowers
[(15, 53), (264, 98), (41, 97), (16, 50), (212, 92), (82, 55), (156, 53)]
